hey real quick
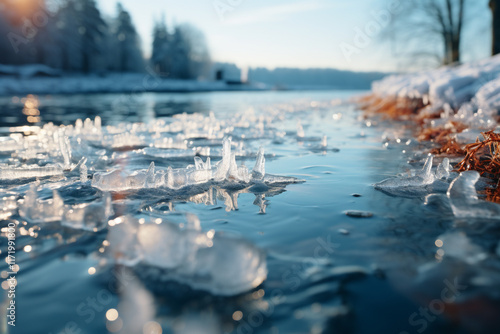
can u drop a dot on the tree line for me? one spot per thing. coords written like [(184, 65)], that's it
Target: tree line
[(74, 36)]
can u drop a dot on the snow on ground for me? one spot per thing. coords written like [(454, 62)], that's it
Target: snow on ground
[(476, 83), (468, 94), (24, 83)]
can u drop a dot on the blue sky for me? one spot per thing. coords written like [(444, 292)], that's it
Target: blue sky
[(291, 33)]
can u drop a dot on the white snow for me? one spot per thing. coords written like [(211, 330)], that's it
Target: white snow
[(472, 88), (22, 82)]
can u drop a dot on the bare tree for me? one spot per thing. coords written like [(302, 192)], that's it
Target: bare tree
[(423, 23), (495, 12)]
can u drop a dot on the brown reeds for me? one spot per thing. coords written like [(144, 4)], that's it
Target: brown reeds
[(483, 156), (391, 107)]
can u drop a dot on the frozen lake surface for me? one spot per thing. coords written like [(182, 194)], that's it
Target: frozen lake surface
[(234, 212)]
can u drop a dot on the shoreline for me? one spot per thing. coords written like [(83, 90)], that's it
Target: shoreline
[(135, 84), (455, 110)]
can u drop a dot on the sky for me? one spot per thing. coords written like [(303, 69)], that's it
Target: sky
[(290, 33)]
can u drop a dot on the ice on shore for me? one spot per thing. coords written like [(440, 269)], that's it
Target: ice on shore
[(468, 93), (443, 169), (225, 170), (417, 179), (461, 198), (183, 253), (91, 216)]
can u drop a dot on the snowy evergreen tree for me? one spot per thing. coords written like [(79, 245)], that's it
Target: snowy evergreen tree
[(92, 29), (73, 36), (161, 57), (69, 38), (180, 55), (183, 54), (127, 56)]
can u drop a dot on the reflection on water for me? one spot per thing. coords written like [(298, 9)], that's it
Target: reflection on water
[(215, 195), (31, 104), (112, 108)]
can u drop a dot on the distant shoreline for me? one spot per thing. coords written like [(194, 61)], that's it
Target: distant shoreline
[(134, 83)]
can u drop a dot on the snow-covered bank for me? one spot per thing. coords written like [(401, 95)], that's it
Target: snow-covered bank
[(451, 106), (113, 83), (453, 109), (474, 86)]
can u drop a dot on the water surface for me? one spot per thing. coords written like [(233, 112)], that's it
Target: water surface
[(327, 272)]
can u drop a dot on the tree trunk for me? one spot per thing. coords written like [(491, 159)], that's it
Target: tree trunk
[(85, 64), (455, 50), (495, 11)]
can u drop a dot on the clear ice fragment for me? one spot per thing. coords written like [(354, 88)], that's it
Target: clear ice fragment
[(205, 261), (443, 169), (29, 171)]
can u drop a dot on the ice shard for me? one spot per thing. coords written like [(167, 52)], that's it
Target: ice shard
[(421, 178), (185, 254), (225, 171), (41, 211), (443, 169), (462, 199), (29, 171)]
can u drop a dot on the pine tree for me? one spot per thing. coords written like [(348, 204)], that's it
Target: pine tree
[(93, 29), (161, 57), (129, 54)]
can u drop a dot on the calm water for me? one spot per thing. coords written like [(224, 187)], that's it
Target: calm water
[(328, 272)]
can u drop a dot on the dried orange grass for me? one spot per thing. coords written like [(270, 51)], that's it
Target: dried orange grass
[(391, 107), (483, 156)]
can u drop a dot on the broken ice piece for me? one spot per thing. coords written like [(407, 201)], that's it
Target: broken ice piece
[(462, 199), (83, 171), (226, 170), (422, 178), (443, 169), (41, 211), (259, 170), (29, 171), (88, 216), (206, 261)]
